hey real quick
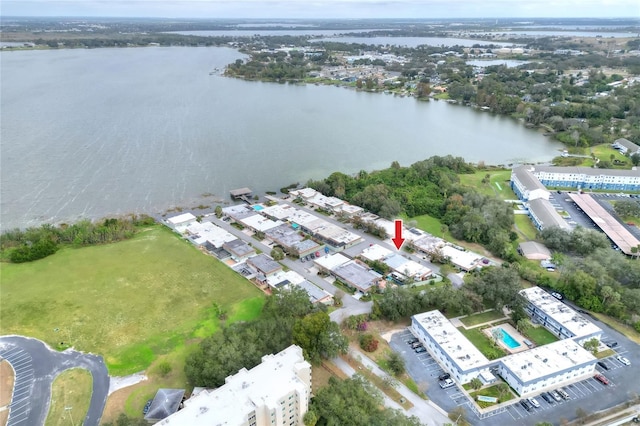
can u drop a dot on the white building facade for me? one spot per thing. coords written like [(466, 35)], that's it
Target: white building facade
[(273, 393)]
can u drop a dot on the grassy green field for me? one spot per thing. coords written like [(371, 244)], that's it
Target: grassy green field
[(540, 336), (130, 301), (525, 226), (604, 153), (476, 319), (498, 183), (69, 401)]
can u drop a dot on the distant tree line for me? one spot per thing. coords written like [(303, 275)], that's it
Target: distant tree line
[(35, 243), (429, 187)]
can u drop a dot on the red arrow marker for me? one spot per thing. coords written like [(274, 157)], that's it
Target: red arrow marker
[(398, 240)]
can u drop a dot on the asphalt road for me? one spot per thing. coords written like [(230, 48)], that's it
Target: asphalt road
[(36, 366)]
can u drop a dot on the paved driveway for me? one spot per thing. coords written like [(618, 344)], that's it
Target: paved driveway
[(36, 366)]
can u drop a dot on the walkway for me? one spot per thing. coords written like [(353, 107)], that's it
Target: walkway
[(428, 412)]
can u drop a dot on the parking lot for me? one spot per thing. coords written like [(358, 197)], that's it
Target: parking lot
[(23, 367), (587, 394)]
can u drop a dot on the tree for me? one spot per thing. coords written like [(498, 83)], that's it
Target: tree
[(319, 337), (627, 208), (592, 345), (277, 253), (475, 383), (395, 363), (496, 285), (337, 297), (459, 416), (523, 325), (581, 414), (218, 211)]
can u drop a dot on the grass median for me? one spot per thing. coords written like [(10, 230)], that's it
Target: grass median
[(129, 301), (70, 397)]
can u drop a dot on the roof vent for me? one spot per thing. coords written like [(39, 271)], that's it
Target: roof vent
[(544, 360)]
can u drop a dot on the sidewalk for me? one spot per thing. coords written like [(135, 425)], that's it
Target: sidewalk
[(429, 413)]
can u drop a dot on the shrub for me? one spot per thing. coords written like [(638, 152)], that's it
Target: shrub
[(368, 342)]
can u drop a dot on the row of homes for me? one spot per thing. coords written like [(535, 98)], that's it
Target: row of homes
[(529, 371), (243, 258), (403, 268), (351, 272)]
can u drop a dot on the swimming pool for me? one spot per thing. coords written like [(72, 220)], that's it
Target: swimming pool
[(508, 340)]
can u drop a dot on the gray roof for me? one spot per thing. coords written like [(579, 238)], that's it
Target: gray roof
[(547, 215), (165, 403), (531, 247), (238, 247), (264, 264), (527, 179), (306, 245), (627, 144), (315, 293), (356, 275), (587, 171), (284, 235)]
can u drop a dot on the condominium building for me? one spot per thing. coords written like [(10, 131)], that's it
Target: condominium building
[(273, 393), (588, 178), (557, 317), (526, 185)]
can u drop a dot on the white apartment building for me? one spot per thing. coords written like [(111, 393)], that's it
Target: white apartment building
[(526, 185), (273, 393), (546, 366), (557, 317)]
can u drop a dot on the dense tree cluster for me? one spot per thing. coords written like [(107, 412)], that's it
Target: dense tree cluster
[(428, 187), (581, 240), (498, 286), (38, 242), (354, 401), (287, 317)]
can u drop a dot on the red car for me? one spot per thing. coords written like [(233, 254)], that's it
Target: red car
[(601, 379)]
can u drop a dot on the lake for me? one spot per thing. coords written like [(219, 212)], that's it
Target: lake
[(87, 133), (509, 63), (270, 32)]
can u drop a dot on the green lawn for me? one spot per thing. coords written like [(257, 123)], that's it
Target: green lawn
[(604, 153), (493, 391), (483, 343), (476, 319), (540, 336), (70, 397), (129, 301), (498, 183), (525, 226)]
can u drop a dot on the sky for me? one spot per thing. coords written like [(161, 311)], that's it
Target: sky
[(360, 9)]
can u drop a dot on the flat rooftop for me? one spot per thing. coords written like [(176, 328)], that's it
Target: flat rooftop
[(207, 231), (279, 211), (331, 261), (458, 348), (356, 275), (259, 222), (181, 218), (559, 312), (375, 252), (615, 230), (263, 385), (465, 259), (546, 360)]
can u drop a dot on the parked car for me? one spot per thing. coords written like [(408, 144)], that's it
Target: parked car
[(563, 394), (525, 405), (547, 397), (534, 402), (623, 360), (416, 345), (555, 395), (601, 379), (444, 376), (412, 341), (446, 383), (603, 365), (557, 295), (145, 410), (421, 349), (611, 344)]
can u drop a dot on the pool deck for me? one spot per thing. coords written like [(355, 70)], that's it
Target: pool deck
[(513, 333)]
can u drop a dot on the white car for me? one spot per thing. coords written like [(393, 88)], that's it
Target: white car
[(623, 360), (533, 402), (447, 383)]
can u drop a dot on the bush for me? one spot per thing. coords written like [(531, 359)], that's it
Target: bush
[(164, 368), (368, 343)]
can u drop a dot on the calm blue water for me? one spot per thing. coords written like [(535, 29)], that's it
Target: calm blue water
[(508, 340)]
